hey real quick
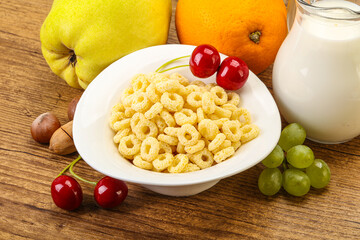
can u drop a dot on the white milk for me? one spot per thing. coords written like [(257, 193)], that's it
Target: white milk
[(316, 75)]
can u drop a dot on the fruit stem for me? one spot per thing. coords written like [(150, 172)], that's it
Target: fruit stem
[(68, 166), (255, 36), (169, 62), (77, 176), (173, 68)]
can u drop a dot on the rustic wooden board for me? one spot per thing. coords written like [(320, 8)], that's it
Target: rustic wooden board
[(233, 209)]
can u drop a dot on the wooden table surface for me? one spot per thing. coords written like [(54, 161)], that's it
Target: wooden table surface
[(232, 209)]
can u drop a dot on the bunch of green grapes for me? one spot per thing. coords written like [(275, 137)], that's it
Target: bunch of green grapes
[(300, 168)]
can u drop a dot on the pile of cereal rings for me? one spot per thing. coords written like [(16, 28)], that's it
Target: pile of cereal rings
[(165, 123)]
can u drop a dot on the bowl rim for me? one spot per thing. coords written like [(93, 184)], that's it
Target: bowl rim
[(146, 177)]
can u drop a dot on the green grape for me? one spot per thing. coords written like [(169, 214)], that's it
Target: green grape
[(292, 135), (319, 173), (300, 156), (292, 167), (296, 182), (270, 181), (275, 158)]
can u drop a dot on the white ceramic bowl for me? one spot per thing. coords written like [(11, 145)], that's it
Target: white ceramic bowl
[(93, 136)]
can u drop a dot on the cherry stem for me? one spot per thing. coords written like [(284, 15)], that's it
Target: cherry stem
[(70, 167), (173, 68), (169, 62)]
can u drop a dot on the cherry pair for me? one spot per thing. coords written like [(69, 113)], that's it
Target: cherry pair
[(232, 73), (67, 193)]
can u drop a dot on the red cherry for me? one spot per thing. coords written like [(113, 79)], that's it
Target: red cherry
[(110, 192), (66, 192), (204, 61), (232, 74)]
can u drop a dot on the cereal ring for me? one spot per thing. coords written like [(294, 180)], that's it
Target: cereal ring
[(129, 145), (220, 122), (181, 79), (140, 163), (172, 141), (207, 102), (168, 86), (188, 135), (218, 140), (120, 134), (168, 118), (236, 145), (115, 117), (194, 99), (152, 93), (195, 148), (180, 148), (140, 102), (129, 112), (171, 131), (243, 115), (163, 161), (154, 110), (249, 132), (127, 96), (192, 88), (118, 108), (233, 98), (149, 149), (220, 96), (144, 129), (188, 106), (135, 119), (213, 117), (179, 163), (232, 131), (200, 115), (160, 123), (225, 144), (164, 148), (190, 167), (185, 116), (121, 125), (203, 159), (198, 83), (172, 101), (230, 107), (222, 113), (139, 82), (223, 154), (157, 77), (210, 86), (208, 129)]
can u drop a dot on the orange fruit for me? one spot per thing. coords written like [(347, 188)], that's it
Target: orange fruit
[(252, 30)]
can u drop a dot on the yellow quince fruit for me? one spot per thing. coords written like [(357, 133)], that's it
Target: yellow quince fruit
[(80, 38)]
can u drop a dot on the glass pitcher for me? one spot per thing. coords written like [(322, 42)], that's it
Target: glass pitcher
[(316, 74)]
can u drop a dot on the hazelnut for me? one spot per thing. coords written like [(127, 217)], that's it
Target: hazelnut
[(61, 141), (44, 126), (72, 107)]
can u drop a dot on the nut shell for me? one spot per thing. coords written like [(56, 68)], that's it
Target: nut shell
[(72, 107), (61, 141), (44, 126)]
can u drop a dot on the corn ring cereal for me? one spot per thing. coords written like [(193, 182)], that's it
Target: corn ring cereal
[(144, 129), (218, 140), (208, 129), (152, 93), (236, 145), (135, 119), (225, 144), (160, 123), (149, 149), (230, 107), (185, 116), (182, 80), (120, 125), (164, 148), (223, 154), (171, 85), (126, 97), (194, 99), (222, 113), (203, 159), (210, 86), (139, 82), (157, 77), (244, 116), (171, 131), (190, 167), (129, 112), (232, 131), (163, 161), (120, 134), (188, 135), (118, 108), (168, 118), (192, 88), (129, 145), (207, 102), (154, 110), (233, 98), (219, 122), (180, 148), (179, 163), (220, 96), (198, 83), (172, 141), (195, 148), (140, 163), (200, 114), (140, 102), (115, 117), (173, 102), (249, 132)]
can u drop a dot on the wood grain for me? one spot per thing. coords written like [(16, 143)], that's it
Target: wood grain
[(232, 209)]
